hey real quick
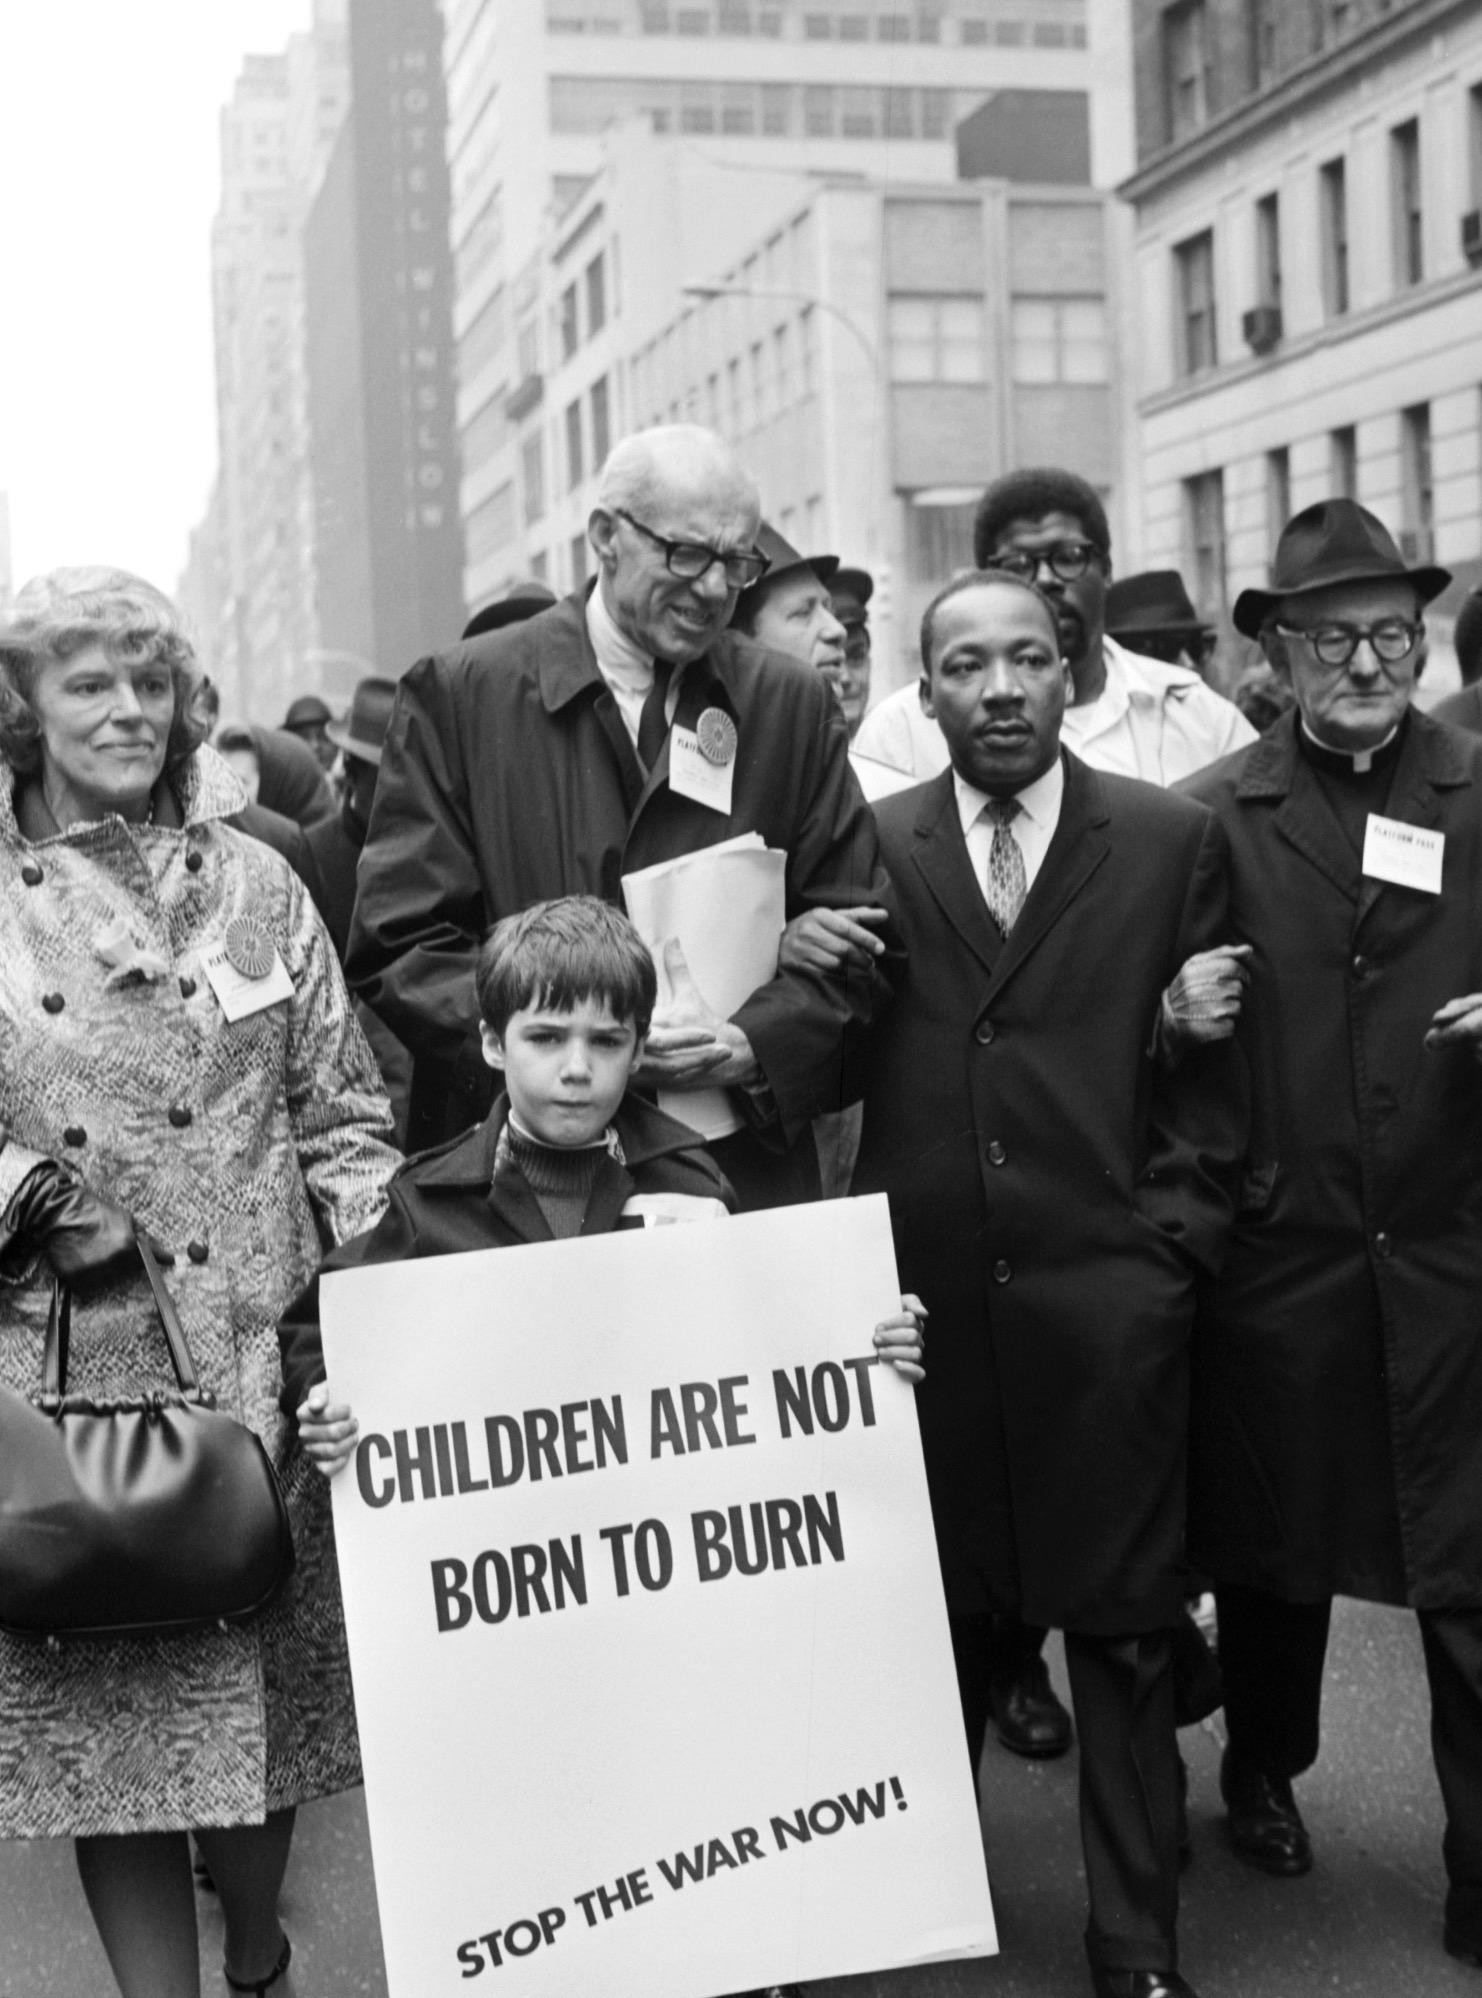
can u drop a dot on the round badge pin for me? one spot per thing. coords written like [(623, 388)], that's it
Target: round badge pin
[(716, 734), (249, 947)]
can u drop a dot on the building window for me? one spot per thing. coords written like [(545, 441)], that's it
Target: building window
[(1262, 18), (1474, 144), (567, 321), (939, 542), (818, 112), (578, 561), (527, 351), (575, 470), (596, 295), (1195, 268), (808, 348), (1059, 340), (1333, 193), (1343, 462), (893, 28), (1404, 170), (491, 525), (1278, 493), (601, 423), (532, 469), (1417, 502), (1268, 251), (818, 27), (1186, 68), (936, 340), (1204, 536), (732, 19), (782, 364)]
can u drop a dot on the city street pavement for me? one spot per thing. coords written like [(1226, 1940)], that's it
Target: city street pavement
[(1367, 1922)]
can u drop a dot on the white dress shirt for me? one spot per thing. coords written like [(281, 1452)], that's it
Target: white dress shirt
[(1031, 828), (628, 671)]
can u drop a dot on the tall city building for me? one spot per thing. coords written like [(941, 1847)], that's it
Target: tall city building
[(387, 536), (253, 598), (847, 88), (1308, 279)]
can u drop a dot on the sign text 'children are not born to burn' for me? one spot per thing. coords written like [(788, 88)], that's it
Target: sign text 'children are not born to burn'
[(459, 1459)]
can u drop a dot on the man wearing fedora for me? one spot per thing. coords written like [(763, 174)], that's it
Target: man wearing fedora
[(1336, 1444), (1152, 614)]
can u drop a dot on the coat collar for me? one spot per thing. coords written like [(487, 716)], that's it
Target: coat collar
[(1431, 760), (644, 1131), (1075, 852), (566, 665), (204, 785)]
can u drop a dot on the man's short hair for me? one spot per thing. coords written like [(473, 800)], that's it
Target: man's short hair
[(1030, 495), (555, 954), (974, 579)]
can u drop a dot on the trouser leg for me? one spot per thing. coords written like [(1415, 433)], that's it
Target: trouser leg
[(1015, 1645), (1122, 1694), (1271, 1662), (972, 1653), (1453, 1663)]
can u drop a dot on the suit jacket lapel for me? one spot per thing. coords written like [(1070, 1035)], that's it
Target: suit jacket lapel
[(942, 857), (516, 1205), (611, 1191), (1078, 847)]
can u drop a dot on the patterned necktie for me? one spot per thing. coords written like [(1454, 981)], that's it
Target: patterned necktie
[(653, 723), (1007, 882)]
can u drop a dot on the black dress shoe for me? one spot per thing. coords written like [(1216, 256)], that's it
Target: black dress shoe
[(1263, 1821), (1030, 1719), (1140, 1984)]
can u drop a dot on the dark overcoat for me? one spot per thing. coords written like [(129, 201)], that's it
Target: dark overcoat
[(451, 1200), (1055, 1194), (1338, 1429), (508, 777)]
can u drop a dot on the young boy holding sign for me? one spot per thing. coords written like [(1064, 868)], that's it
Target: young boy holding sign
[(566, 992)]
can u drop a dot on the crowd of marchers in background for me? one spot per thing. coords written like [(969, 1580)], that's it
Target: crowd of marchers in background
[(1155, 1013)]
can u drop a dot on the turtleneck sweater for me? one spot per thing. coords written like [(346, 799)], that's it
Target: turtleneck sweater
[(561, 1180)]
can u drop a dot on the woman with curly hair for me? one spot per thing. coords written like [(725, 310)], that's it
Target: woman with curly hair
[(245, 1143)]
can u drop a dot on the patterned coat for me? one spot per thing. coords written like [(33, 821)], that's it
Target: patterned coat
[(247, 1149)]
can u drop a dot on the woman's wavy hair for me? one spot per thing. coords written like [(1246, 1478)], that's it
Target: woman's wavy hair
[(67, 610)]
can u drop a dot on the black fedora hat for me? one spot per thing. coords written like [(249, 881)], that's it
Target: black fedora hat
[(520, 600), (782, 558), (308, 711), (1336, 541), (1152, 603), (851, 590), (363, 731)]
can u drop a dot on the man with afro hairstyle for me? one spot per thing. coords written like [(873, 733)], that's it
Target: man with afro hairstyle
[(1131, 715)]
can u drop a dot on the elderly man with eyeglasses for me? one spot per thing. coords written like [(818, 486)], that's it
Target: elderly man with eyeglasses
[(1336, 1443), (622, 727), (1130, 714)]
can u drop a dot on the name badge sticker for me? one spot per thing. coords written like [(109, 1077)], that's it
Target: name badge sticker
[(693, 775), (240, 995), (1408, 856)]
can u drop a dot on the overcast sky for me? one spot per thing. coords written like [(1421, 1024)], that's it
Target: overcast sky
[(108, 182)]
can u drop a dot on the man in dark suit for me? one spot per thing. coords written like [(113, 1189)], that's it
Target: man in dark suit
[(1056, 1195), (620, 728), (1336, 1443)]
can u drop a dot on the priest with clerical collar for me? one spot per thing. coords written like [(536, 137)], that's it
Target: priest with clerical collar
[(1336, 1441)]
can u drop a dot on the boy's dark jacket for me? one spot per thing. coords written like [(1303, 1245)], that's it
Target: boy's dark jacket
[(449, 1200)]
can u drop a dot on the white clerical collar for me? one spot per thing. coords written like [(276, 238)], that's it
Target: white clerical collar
[(618, 658), (1361, 759), (1038, 801)]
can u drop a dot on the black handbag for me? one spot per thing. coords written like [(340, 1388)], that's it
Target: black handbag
[(132, 1517)]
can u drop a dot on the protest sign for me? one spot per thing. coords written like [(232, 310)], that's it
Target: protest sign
[(651, 1660)]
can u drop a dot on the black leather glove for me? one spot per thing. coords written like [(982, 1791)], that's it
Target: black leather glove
[(83, 1236)]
